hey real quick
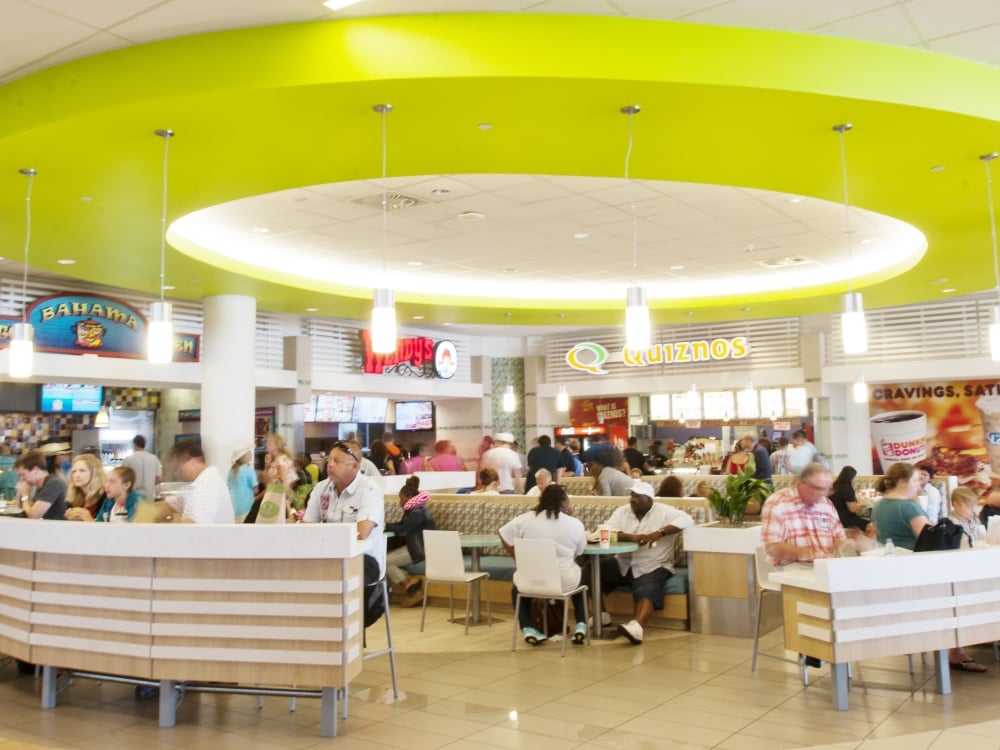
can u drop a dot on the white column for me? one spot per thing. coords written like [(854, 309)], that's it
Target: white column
[(227, 379)]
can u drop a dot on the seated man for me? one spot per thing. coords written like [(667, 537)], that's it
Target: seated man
[(543, 478), (651, 525), (208, 499), (799, 523)]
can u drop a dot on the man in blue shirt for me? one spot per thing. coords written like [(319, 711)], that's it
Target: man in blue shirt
[(761, 459)]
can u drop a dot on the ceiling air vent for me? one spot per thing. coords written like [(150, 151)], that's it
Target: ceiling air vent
[(396, 201), (784, 262)]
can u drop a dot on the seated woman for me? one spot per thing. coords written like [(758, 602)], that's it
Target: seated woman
[(551, 520), (846, 502), (489, 482), (416, 518), (671, 486), (898, 515), (86, 489), (120, 504), (964, 503)]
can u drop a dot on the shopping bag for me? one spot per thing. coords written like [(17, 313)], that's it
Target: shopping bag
[(272, 505)]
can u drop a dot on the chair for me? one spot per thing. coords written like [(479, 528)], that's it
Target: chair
[(536, 576), (383, 586), (444, 563), (764, 568)]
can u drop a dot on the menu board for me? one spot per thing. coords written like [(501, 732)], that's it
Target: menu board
[(686, 406), (771, 403), (748, 403), (414, 415), (659, 406), (334, 408), (71, 398), (718, 404), (796, 402), (310, 409), (369, 409)]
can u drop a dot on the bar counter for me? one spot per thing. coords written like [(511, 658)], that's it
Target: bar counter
[(254, 605)]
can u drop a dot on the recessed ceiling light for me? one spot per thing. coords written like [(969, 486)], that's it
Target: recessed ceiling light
[(580, 235), (65, 261), (948, 290), (796, 199), (485, 126), (510, 270), (312, 309), (867, 241), (261, 230), (676, 268), (938, 168), (446, 324), (471, 216), (168, 287), (296, 199), (440, 191), (85, 199), (338, 4), (414, 263), (418, 317), (940, 281)]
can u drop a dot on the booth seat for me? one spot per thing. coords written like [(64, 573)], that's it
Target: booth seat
[(485, 514)]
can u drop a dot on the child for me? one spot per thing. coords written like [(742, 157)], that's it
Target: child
[(964, 504)]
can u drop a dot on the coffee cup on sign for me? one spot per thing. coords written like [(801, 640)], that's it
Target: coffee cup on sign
[(989, 413), (899, 436)]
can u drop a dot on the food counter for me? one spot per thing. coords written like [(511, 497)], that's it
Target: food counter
[(164, 603), (847, 609)]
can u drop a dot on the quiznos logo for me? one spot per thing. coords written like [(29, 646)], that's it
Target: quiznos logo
[(590, 357)]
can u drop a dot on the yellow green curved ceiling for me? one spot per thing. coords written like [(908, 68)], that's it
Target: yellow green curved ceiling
[(273, 108)]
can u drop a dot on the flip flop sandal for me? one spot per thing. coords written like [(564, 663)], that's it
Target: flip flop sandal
[(969, 665)]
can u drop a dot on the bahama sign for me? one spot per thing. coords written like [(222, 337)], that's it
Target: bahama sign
[(93, 324), (590, 357)]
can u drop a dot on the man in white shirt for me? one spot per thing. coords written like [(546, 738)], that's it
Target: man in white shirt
[(935, 505), (803, 453), (348, 496), (652, 526), (503, 461), (147, 468), (543, 478), (208, 500)]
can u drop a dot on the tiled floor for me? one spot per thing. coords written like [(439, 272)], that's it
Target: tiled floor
[(678, 691)]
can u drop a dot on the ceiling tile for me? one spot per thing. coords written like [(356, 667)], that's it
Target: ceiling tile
[(100, 14), (791, 15), (666, 9), (888, 26), (94, 44), (979, 44), (29, 33), (935, 19)]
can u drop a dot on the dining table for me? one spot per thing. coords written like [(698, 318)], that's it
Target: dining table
[(475, 543), (596, 550)]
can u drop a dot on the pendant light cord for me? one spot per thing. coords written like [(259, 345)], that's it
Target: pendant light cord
[(166, 135), (30, 174), (842, 130), (631, 192), (385, 197), (987, 159)]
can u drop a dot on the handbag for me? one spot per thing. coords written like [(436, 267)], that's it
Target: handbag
[(944, 535), (272, 505)]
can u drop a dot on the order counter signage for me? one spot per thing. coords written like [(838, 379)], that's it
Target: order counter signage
[(171, 603)]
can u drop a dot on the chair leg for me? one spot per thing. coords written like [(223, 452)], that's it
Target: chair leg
[(565, 629), (756, 629), (586, 615), (909, 658), (517, 610), (468, 604), (388, 635), (805, 670), (996, 650), (451, 602), (489, 608), (423, 609)]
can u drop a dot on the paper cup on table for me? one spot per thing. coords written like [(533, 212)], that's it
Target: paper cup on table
[(900, 436), (604, 535), (989, 413)]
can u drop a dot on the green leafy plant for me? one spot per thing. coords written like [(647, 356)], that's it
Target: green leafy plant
[(741, 489)]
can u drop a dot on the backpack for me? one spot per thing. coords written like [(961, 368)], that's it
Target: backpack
[(944, 535), (374, 603)]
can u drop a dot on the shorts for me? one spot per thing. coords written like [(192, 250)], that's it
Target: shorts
[(649, 586)]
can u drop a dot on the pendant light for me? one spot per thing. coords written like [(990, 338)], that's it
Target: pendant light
[(103, 418), (22, 345), (160, 337), (852, 320), (995, 319), (637, 329), (860, 390), (383, 304), (747, 400), (562, 399), (509, 397)]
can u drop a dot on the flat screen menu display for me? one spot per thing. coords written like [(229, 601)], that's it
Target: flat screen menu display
[(334, 408), (310, 409), (414, 415), (71, 399), (370, 409)]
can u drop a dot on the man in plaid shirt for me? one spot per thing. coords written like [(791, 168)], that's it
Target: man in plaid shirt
[(799, 523)]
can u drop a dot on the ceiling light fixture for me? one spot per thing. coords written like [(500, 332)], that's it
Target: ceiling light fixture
[(22, 335), (860, 390), (65, 261), (103, 416), (509, 397), (562, 399), (384, 306), (852, 320), (995, 322), (338, 4), (160, 336), (637, 334)]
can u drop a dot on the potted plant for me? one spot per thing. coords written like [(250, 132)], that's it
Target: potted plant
[(741, 491)]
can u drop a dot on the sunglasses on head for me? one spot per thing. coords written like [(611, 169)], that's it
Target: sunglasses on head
[(342, 446)]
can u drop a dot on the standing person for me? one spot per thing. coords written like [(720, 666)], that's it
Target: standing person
[(208, 499), (544, 456), (504, 461), (378, 454), (347, 496), (242, 481), (737, 461), (49, 490), (416, 519), (566, 461), (394, 452), (652, 526), (551, 519), (86, 484), (781, 457), (802, 451), (799, 523), (898, 515), (147, 468), (120, 503), (445, 457), (609, 479), (634, 456), (416, 461), (761, 458), (935, 504)]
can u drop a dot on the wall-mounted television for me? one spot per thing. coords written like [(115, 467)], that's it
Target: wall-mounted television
[(69, 398), (331, 408), (310, 409), (370, 409), (414, 415)]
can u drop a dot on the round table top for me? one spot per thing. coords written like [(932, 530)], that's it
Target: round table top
[(613, 549), (479, 540)]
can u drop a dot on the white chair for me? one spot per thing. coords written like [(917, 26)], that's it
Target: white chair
[(444, 563), (536, 576), (764, 568)]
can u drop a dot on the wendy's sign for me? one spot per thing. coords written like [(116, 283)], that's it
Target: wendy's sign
[(419, 357), (93, 324)]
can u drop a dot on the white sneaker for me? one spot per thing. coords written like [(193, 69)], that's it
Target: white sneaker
[(605, 620), (631, 630)]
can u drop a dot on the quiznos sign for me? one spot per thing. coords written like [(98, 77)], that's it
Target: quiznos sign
[(590, 357)]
